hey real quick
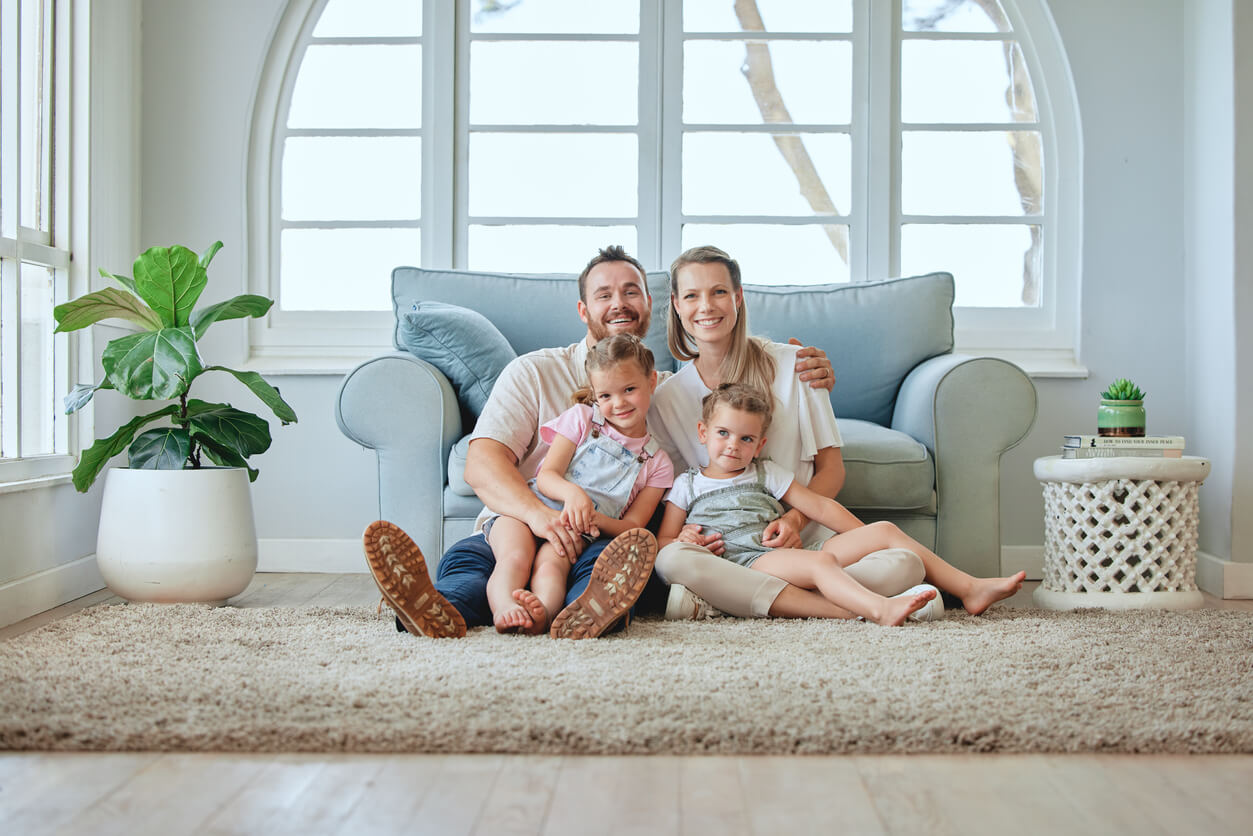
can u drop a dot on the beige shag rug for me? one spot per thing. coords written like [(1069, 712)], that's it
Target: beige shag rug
[(185, 677)]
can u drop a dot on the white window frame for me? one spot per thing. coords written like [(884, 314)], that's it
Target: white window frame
[(51, 247), (1043, 340)]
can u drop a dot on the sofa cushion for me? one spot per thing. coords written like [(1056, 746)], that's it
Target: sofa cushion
[(531, 311), (874, 333), (885, 468), (461, 343), (457, 468)]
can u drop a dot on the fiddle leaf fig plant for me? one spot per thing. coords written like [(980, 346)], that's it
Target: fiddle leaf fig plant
[(161, 361)]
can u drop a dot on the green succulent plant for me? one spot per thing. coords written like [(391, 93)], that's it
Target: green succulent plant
[(1123, 389), (161, 361)]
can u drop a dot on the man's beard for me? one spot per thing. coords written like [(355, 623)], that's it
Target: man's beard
[(639, 327)]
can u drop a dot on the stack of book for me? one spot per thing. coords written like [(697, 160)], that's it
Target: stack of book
[(1102, 446)]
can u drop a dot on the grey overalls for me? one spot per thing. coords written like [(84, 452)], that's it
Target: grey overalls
[(740, 513), (604, 469)]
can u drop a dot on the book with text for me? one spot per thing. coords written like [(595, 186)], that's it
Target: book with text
[(1115, 452), (1145, 441)]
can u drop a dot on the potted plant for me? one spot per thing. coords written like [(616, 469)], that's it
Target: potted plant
[(1121, 412), (172, 527)]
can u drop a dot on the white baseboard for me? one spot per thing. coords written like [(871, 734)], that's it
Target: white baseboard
[(1029, 559), (310, 555), (42, 591), (1224, 578)]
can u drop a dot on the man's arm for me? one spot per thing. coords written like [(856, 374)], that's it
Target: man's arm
[(827, 480), (492, 471)]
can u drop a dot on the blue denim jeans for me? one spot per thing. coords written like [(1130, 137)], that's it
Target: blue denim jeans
[(464, 569)]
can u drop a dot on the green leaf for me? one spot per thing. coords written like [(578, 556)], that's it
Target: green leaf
[(268, 394), (125, 281), (96, 456), (109, 303), (225, 457), (231, 429), (165, 448), (240, 306), (152, 365), (81, 394), (208, 254), (170, 280)]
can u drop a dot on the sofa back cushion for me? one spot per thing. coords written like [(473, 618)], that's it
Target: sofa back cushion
[(531, 311), (874, 333)]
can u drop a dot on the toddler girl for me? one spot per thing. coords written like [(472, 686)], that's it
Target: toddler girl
[(602, 470)]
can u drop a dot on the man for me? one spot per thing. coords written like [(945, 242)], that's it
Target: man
[(606, 577)]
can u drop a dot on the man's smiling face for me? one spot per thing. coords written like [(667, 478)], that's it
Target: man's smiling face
[(617, 301)]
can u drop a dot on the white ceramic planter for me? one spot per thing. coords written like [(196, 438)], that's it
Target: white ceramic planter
[(177, 535)]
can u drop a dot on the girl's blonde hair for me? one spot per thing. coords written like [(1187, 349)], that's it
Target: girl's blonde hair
[(609, 352), (739, 396), (748, 361)]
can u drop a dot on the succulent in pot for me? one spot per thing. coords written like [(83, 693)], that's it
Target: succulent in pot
[(1121, 412), (161, 362)]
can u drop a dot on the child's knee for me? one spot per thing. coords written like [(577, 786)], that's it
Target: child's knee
[(680, 563)]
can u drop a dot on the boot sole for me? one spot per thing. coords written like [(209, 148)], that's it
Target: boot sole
[(400, 571), (618, 578)]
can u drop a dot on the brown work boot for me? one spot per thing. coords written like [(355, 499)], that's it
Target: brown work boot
[(400, 572), (618, 578)]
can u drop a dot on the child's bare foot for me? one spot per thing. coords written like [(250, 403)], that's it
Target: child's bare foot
[(535, 608), (898, 608), (987, 591), (512, 620)]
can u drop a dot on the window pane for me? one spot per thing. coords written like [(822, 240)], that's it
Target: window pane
[(39, 384), (778, 254), (776, 16), (971, 173), (746, 82), (532, 83), (358, 87), (964, 81), (352, 178), (993, 266), (343, 269), (757, 174), (366, 18), (553, 175), (519, 248), (953, 16), (556, 16)]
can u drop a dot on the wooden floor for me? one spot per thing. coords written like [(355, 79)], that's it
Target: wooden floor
[(141, 793)]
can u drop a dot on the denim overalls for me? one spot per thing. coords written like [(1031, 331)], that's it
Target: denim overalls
[(604, 469), (740, 513)]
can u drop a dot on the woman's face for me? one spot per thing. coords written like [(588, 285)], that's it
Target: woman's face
[(706, 302)]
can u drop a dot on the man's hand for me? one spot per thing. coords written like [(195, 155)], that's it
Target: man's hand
[(547, 525), (781, 534), (814, 367), (712, 541)]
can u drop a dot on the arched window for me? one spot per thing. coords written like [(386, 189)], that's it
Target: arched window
[(815, 140)]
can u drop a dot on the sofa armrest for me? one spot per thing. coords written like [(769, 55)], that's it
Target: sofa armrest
[(967, 411), (406, 411)]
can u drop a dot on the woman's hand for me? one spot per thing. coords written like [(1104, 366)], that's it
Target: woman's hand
[(781, 534), (579, 514), (814, 367)]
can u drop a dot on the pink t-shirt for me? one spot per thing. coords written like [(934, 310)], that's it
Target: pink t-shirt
[(575, 423)]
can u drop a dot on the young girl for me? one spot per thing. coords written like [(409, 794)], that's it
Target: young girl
[(602, 469), (738, 496)]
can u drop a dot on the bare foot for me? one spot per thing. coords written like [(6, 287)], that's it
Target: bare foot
[(535, 608), (897, 609), (987, 591), (512, 619)]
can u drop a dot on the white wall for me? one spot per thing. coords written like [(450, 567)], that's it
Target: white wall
[(1130, 63)]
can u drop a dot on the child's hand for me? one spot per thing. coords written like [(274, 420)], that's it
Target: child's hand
[(579, 514), (690, 533)]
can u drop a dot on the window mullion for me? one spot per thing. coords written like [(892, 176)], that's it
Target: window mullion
[(440, 106), (882, 137), (459, 205), (671, 137)]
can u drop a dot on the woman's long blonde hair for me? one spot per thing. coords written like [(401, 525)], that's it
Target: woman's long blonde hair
[(747, 361), (609, 352)]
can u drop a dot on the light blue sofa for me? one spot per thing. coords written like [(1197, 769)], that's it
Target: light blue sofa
[(923, 428)]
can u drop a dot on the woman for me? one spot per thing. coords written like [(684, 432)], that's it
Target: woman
[(708, 326)]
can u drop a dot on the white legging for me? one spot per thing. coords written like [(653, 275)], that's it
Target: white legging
[(745, 592)]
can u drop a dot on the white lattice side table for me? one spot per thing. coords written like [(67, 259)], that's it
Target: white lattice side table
[(1120, 533)]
